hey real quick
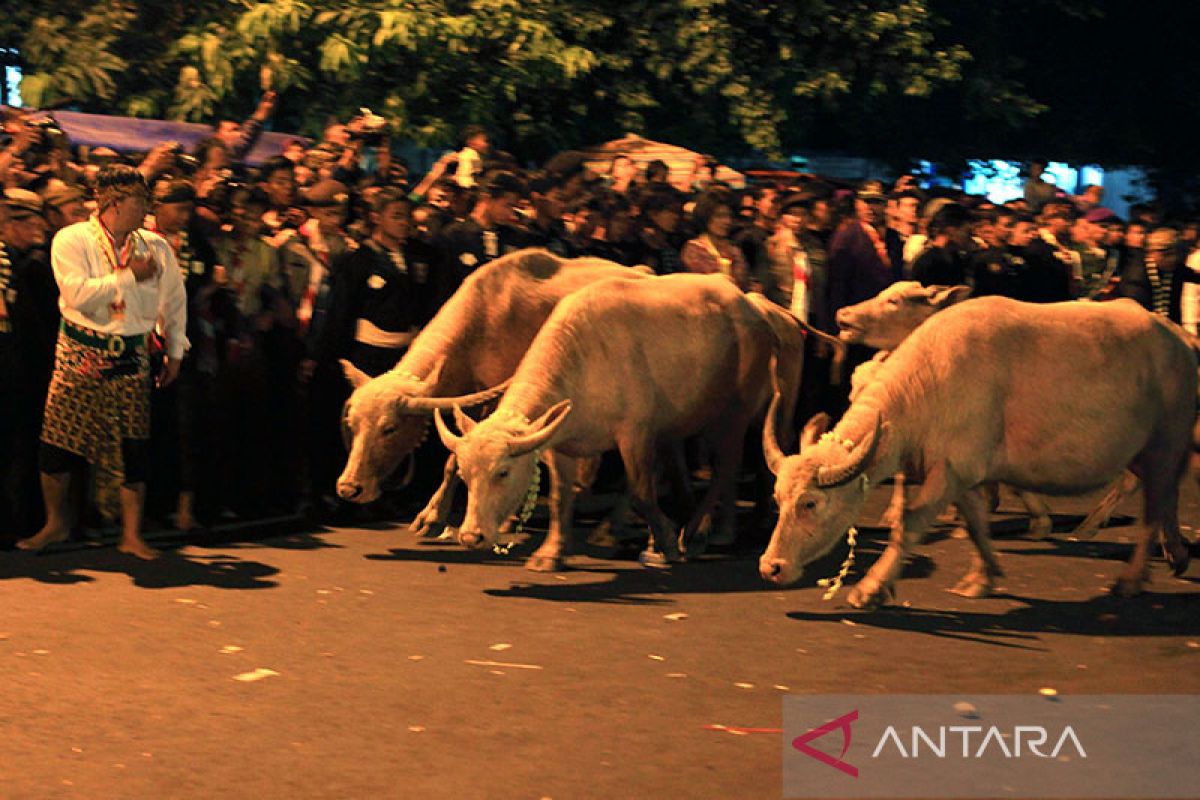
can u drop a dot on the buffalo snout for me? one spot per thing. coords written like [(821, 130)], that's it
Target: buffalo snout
[(772, 569), (349, 491)]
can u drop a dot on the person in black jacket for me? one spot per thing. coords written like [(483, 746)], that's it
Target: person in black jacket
[(1156, 276), (381, 294), (488, 233), (942, 262), (28, 327)]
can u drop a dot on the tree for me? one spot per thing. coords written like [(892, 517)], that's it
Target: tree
[(544, 74)]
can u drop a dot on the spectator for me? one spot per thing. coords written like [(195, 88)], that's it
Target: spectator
[(1037, 191), (860, 262), (713, 251), (470, 157), (943, 262), (28, 328), (488, 233), (1156, 279), (662, 212)]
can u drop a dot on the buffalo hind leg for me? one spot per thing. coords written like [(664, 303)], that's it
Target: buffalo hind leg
[(434, 518), (879, 582), (985, 567), (550, 556), (1041, 524), (638, 456), (1160, 490)]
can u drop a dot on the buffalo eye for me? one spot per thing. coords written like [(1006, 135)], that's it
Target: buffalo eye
[(388, 431), (808, 505), (502, 473)]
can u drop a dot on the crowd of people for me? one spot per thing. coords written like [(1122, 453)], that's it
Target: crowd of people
[(332, 251)]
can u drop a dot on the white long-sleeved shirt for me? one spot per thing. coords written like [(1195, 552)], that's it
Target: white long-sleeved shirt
[(89, 287)]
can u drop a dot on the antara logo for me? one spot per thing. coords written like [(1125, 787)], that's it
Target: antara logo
[(842, 723), (1022, 740)]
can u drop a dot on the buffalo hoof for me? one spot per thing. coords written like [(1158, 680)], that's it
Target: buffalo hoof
[(867, 599), (1127, 587), (695, 543), (960, 533), (1040, 527), (973, 586), (656, 560), (426, 527), (1179, 560), (539, 562)]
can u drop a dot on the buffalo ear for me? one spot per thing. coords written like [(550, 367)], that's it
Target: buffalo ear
[(464, 423), (814, 429), (435, 372), (941, 297), (354, 376)]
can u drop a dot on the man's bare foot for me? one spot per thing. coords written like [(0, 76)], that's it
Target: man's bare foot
[(136, 547), (44, 538)]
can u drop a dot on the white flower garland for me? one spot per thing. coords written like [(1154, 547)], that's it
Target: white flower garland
[(832, 585), (527, 506)]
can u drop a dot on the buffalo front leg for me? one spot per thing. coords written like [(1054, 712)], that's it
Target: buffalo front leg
[(878, 584), (550, 556), (638, 457), (434, 518), (985, 567)]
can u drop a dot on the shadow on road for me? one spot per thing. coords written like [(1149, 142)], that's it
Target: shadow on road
[(638, 585), (1150, 614), (172, 569)]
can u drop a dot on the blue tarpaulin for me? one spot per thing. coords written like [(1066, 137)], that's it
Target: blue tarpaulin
[(130, 134)]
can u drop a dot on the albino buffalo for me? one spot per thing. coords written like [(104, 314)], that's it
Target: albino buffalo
[(976, 394), (627, 364), (474, 341), (886, 320)]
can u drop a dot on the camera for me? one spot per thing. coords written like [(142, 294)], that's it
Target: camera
[(49, 135), (368, 127), (184, 162)]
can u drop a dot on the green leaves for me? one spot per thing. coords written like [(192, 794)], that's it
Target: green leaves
[(546, 73)]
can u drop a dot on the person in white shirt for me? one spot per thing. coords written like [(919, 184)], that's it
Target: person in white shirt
[(117, 285), (470, 158)]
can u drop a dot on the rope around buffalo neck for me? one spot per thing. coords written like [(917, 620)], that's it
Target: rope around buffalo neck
[(527, 506)]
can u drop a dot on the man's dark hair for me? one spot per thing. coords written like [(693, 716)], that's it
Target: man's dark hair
[(499, 184), (1023, 216), (273, 165), (566, 164), (115, 182), (386, 197), (952, 215), (542, 182), (469, 132), (661, 199), (657, 169)]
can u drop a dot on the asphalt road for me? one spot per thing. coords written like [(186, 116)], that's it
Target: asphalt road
[(387, 667)]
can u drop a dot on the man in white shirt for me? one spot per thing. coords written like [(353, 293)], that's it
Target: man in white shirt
[(117, 283)]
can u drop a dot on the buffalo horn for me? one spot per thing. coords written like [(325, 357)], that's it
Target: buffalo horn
[(853, 465)]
